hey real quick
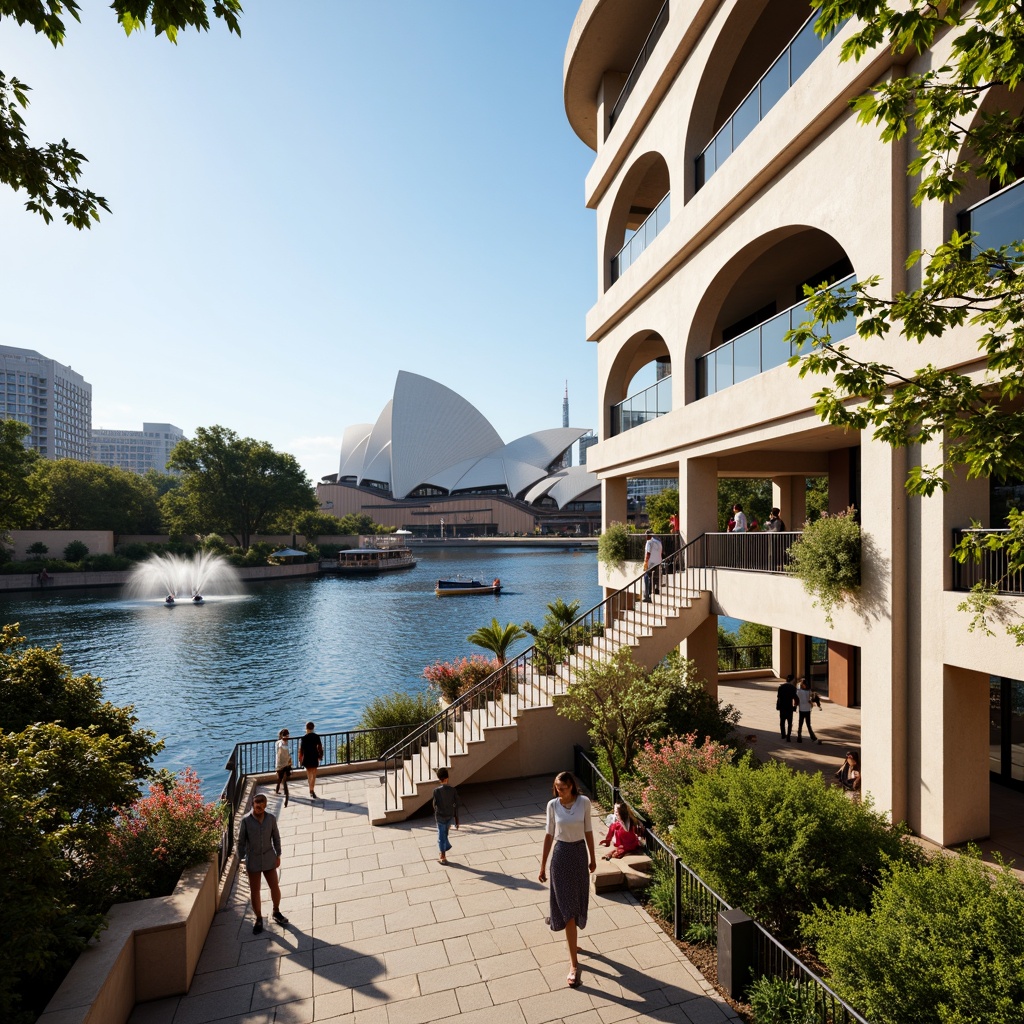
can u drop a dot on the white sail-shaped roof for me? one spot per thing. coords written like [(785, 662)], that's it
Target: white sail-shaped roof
[(377, 461), (353, 450), (567, 485)]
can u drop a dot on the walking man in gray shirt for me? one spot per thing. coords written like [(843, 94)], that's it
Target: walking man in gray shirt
[(259, 844)]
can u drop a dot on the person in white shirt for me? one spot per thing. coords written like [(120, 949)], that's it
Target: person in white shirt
[(739, 518), (570, 830), (652, 565)]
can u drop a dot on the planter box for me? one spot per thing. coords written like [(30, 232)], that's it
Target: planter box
[(149, 950)]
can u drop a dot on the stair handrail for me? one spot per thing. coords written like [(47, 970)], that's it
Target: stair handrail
[(491, 692)]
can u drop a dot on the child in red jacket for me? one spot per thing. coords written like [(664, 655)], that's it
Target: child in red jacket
[(622, 834)]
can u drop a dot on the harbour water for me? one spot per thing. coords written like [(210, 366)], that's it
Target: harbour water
[(240, 668)]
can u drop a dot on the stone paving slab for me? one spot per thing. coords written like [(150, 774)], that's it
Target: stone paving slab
[(380, 933)]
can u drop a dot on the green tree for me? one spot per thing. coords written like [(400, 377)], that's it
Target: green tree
[(18, 497), (88, 496), (313, 524), (963, 117), (356, 524), (49, 174), (622, 705), (161, 482), (497, 638), (68, 758), (754, 634), (660, 506), (754, 495), (234, 485), (943, 942), (689, 707)]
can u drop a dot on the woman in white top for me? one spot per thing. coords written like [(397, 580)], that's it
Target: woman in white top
[(570, 830), (283, 763)]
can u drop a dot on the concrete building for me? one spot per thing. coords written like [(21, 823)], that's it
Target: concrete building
[(51, 398), (136, 450), (719, 129)]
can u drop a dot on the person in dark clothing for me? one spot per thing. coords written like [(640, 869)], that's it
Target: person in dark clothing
[(446, 810), (775, 523), (785, 704), (259, 846), (311, 753)]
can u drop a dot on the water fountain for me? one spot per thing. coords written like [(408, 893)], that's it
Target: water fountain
[(161, 575)]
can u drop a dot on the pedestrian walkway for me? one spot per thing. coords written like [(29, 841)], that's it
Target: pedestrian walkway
[(380, 933)]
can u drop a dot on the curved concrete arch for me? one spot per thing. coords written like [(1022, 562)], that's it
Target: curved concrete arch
[(643, 186), (767, 272), (638, 351)]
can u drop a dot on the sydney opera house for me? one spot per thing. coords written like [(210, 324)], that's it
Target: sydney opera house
[(433, 461)]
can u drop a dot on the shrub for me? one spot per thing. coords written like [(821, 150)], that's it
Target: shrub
[(159, 836), (826, 559), (135, 552), (38, 549), (76, 551), (452, 678), (398, 713), (778, 1001), (612, 546), (690, 708), (944, 942), (660, 895), (107, 563), (777, 842), (663, 772)]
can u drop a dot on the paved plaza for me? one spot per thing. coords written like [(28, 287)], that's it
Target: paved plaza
[(380, 933)]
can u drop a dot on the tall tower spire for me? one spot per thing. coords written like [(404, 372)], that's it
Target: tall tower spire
[(565, 406)]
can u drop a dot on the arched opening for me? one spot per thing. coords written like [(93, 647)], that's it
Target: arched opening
[(639, 386), (741, 324), (760, 53), (640, 212)]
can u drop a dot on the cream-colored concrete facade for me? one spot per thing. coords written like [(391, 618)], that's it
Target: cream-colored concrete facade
[(806, 191)]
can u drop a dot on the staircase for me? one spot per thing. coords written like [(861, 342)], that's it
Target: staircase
[(485, 722)]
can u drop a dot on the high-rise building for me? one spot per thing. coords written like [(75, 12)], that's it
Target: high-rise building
[(587, 441), (729, 171), (52, 399), (136, 450)]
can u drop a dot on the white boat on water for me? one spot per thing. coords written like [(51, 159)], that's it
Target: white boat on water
[(380, 555)]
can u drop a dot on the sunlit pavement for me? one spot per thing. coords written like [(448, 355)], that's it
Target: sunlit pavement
[(380, 933)]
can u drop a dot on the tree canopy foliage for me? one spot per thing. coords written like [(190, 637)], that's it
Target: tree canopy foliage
[(68, 759), (76, 495), (963, 117), (49, 174), (234, 485), (17, 494)]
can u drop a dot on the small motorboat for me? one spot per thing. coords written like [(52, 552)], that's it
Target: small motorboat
[(198, 599), (462, 585), (169, 600)]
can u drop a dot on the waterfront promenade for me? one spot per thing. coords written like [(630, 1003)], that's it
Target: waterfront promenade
[(380, 933)]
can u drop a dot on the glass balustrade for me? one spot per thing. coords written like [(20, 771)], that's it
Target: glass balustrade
[(998, 220), (642, 407), (770, 88), (761, 348), (641, 238), (641, 62)]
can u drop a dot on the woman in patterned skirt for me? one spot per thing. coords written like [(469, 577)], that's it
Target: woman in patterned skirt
[(570, 830)]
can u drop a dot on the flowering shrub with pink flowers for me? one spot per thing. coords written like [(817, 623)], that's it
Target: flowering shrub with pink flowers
[(663, 770), (155, 839), (451, 678)]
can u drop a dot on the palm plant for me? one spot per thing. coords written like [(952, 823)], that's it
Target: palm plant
[(497, 638)]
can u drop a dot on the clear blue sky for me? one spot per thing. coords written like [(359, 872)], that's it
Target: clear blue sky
[(352, 188)]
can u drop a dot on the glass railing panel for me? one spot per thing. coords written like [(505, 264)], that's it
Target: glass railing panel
[(723, 367), (746, 355), (641, 62), (664, 396), (999, 220), (797, 57), (775, 350), (641, 238), (644, 406)]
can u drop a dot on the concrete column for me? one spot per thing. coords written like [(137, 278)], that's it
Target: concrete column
[(839, 480), (841, 677), (783, 652), (613, 501), (698, 497), (883, 598), (607, 93), (789, 495), (701, 647)]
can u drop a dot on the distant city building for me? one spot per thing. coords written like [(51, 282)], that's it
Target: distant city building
[(136, 450), (641, 488), (567, 456), (53, 400), (587, 441)]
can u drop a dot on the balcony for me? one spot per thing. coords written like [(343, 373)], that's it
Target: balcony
[(641, 62), (797, 57), (642, 407), (998, 220), (761, 348), (641, 238), (991, 569)]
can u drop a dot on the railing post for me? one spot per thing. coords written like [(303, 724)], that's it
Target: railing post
[(735, 952), (677, 909)]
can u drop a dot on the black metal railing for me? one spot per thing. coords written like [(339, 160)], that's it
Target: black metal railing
[(794, 60), (535, 676), (744, 657), (644, 406), (696, 907), (259, 757), (757, 551), (762, 348), (639, 64), (635, 543), (989, 567)]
